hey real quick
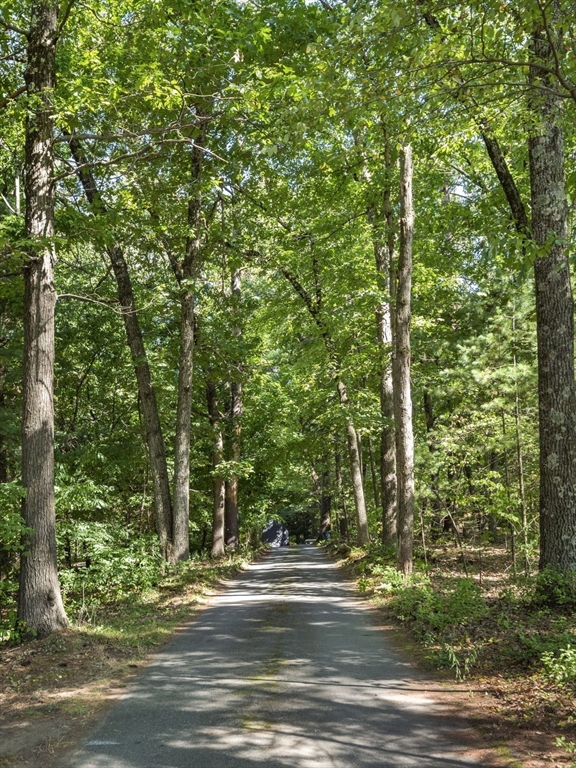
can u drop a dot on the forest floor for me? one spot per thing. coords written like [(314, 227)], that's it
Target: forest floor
[(495, 653), (53, 692)]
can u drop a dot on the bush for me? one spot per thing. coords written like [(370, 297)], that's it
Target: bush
[(12, 530), (117, 562), (389, 578), (560, 667), (432, 611), (555, 589)]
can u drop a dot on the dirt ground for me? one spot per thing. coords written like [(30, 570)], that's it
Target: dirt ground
[(53, 692)]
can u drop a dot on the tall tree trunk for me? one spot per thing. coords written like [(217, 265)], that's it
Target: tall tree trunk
[(362, 534), (231, 492), (3, 452), (520, 458), (521, 488), (384, 254), (361, 455), (401, 372), (146, 391), (435, 501), (154, 437), (554, 311), (219, 485), (40, 601), (373, 473), (325, 506), (341, 498), (186, 275)]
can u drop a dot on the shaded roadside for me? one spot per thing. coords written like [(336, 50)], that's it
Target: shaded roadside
[(507, 699), (53, 692)]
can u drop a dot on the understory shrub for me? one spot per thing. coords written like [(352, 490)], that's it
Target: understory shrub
[(461, 660), (116, 562), (555, 589), (12, 530), (432, 611), (560, 666), (524, 645)]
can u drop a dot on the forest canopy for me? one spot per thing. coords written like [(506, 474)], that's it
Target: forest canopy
[(308, 261)]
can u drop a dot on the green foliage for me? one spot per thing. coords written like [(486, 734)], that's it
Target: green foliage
[(431, 611), (569, 747), (556, 589), (527, 646), (113, 561), (11, 525), (560, 666), (461, 661), (12, 531), (294, 107), (385, 578)]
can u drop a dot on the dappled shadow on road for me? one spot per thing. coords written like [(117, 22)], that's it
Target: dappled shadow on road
[(285, 669)]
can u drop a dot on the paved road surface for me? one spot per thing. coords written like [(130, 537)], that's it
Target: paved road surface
[(285, 669)]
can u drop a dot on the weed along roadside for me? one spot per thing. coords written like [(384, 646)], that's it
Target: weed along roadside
[(492, 636), (53, 691)]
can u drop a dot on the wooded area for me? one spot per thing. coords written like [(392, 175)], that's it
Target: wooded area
[(305, 261)]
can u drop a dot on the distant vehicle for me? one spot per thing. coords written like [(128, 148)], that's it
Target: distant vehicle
[(275, 534)]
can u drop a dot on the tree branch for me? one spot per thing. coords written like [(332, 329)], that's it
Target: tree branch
[(65, 15), (13, 96), (13, 28)]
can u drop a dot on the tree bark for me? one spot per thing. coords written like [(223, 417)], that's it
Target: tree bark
[(3, 452), (154, 437), (362, 534), (146, 391), (218, 519), (401, 372), (554, 314), (325, 506), (231, 492), (384, 254), (40, 602), (343, 529), (186, 276), (373, 474)]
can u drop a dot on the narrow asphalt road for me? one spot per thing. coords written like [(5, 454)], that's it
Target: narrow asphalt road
[(284, 669)]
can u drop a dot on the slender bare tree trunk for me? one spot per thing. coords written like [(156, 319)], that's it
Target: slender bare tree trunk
[(154, 437), (373, 473), (521, 489), (325, 506), (186, 275), (231, 534), (554, 311), (401, 371), (232, 539), (363, 536), (3, 453), (218, 520), (385, 259), (344, 527), (146, 391), (519, 456), (40, 601)]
